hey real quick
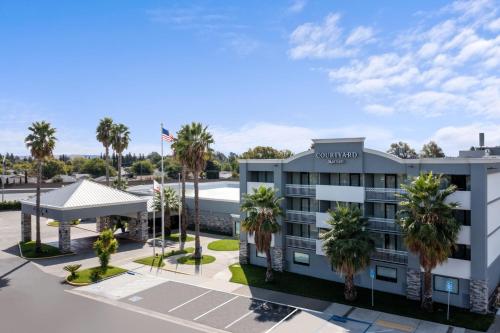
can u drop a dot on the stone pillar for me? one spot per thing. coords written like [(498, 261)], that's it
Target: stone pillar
[(413, 284), (64, 236), (478, 293), (25, 227), (244, 252), (138, 227), (278, 259), (102, 223)]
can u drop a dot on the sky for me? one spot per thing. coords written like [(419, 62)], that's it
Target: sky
[(276, 73)]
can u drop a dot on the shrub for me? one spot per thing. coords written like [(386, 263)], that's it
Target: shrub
[(72, 269), (10, 205), (104, 246)]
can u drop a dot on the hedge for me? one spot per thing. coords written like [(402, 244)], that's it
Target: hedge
[(10, 205)]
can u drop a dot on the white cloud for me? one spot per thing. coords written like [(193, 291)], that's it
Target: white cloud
[(455, 138), (326, 40), (360, 35), (494, 25), (379, 109), (460, 83), (297, 6)]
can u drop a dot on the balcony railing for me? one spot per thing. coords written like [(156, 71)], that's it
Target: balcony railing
[(385, 225), (300, 190), (298, 216), (301, 242), (394, 256), (383, 194)]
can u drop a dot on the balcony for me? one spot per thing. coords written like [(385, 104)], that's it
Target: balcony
[(296, 190), (298, 216), (384, 225), (394, 256), (383, 194), (340, 193), (301, 242), (252, 185)]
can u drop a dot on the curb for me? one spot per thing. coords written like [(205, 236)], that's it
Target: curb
[(76, 284)]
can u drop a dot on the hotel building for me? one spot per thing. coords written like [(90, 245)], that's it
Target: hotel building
[(343, 170)]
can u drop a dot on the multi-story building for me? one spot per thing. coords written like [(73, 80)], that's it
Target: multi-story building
[(343, 170)]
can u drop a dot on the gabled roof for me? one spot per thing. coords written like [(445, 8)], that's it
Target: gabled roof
[(84, 194)]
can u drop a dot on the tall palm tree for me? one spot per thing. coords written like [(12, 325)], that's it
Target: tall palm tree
[(103, 135), (348, 245), (120, 138), (170, 203), (194, 146), (262, 209), (181, 155), (41, 142), (429, 228)]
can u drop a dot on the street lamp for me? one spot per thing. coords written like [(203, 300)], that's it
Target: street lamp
[(3, 177)]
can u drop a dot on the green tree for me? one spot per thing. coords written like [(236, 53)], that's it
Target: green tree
[(104, 247), (144, 167), (77, 164), (53, 167), (97, 167), (172, 167), (171, 203), (41, 143), (402, 150), (431, 150), (429, 228), (348, 245), (104, 136), (120, 138), (262, 209), (194, 147), (262, 152)]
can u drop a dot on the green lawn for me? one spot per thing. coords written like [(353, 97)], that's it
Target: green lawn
[(91, 275), (158, 260), (334, 292), (28, 250), (225, 245), (56, 223), (188, 260), (175, 238)]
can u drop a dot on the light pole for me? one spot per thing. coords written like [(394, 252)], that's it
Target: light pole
[(3, 177)]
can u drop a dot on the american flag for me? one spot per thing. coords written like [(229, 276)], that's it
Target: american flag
[(166, 136), (156, 186)]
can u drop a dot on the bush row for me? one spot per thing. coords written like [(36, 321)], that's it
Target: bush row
[(10, 205)]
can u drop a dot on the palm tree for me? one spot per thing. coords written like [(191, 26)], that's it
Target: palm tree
[(348, 245), (103, 135), (181, 155), (194, 147), (262, 209), (120, 138), (428, 225), (170, 203), (41, 142)]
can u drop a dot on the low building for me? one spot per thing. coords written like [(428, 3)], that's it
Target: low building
[(343, 170)]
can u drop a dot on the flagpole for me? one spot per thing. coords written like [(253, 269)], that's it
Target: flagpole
[(154, 222), (180, 215), (161, 195)]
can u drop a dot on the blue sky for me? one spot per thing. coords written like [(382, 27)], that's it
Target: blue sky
[(256, 72)]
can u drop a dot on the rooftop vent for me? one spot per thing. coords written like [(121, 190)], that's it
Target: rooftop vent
[(481, 140)]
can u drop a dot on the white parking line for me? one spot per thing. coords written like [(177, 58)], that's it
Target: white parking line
[(282, 320), (193, 299), (218, 306), (245, 315)]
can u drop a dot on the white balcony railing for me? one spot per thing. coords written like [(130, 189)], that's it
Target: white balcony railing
[(301, 242), (382, 224), (382, 194), (298, 216), (300, 190), (394, 256)]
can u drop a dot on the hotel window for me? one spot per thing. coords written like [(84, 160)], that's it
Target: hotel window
[(460, 251), (344, 179), (440, 284), (391, 181), (299, 230), (390, 211), (304, 178), (301, 258), (260, 254), (335, 179), (462, 216), (355, 179), (384, 273)]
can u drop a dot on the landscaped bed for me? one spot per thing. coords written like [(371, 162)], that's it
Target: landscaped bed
[(28, 250), (189, 260), (157, 261), (56, 223), (175, 238), (334, 292), (94, 274), (224, 245)]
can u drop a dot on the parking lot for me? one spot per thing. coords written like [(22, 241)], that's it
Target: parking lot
[(213, 308)]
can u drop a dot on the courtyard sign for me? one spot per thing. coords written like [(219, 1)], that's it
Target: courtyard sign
[(337, 157)]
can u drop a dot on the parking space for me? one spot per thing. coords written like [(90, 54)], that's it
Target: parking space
[(216, 309)]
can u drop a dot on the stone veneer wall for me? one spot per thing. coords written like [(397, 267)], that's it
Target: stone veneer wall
[(413, 284), (220, 223), (64, 236), (138, 227), (278, 259), (25, 227), (102, 223), (478, 293), (244, 252)]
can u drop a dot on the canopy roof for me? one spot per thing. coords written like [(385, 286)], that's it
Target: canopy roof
[(85, 198)]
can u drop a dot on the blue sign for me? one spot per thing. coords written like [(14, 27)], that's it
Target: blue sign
[(449, 285), (372, 273)]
